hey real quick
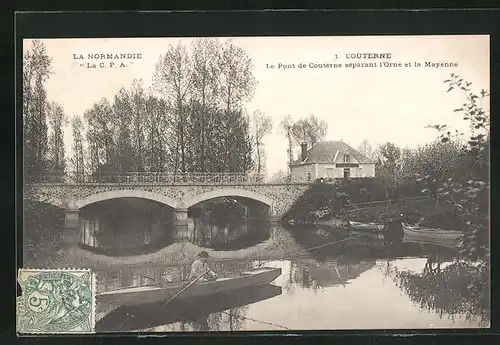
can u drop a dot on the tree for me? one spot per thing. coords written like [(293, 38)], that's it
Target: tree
[(173, 79), (237, 82), (138, 119), (158, 130), (122, 123), (237, 79), (287, 127), (77, 161), (366, 148), (36, 71), (235, 150), (262, 125), (205, 86), (309, 130), (387, 165), (471, 197), (389, 154), (57, 120), (99, 121), (437, 162)]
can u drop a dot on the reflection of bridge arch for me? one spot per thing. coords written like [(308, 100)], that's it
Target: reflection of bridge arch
[(126, 193), (228, 192)]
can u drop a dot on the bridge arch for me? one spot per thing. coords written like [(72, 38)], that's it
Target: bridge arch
[(228, 192), (125, 193)]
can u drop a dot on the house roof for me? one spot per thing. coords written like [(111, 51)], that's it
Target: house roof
[(327, 152)]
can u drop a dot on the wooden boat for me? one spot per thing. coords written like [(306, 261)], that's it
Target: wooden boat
[(369, 227), (428, 233), (157, 293), (144, 316), (440, 243)]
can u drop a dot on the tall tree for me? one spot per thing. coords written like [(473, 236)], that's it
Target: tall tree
[(263, 125), (173, 79), (287, 127), (122, 121), (158, 131), (138, 120), (235, 153), (205, 85), (77, 160), (57, 120), (100, 137), (237, 79), (36, 71)]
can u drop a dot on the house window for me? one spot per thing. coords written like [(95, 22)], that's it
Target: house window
[(347, 173), (346, 158), (308, 176)]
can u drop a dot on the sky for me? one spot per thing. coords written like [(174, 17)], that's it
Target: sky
[(379, 104)]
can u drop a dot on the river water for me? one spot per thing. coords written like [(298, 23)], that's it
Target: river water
[(356, 284)]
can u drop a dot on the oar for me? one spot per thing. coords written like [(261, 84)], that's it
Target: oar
[(307, 249), (185, 288), (145, 276)]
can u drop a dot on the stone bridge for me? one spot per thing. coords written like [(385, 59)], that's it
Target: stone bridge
[(179, 195)]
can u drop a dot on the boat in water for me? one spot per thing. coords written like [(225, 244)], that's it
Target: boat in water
[(368, 227), (130, 318), (432, 234), (162, 292)]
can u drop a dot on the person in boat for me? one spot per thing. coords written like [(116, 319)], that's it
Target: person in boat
[(393, 230), (420, 221), (345, 223), (200, 266)]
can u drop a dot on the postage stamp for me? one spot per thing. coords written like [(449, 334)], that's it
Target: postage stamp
[(56, 301)]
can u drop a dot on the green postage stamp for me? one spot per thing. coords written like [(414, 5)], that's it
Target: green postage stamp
[(56, 301)]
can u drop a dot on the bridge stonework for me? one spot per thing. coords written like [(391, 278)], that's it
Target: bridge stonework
[(279, 197), (72, 197)]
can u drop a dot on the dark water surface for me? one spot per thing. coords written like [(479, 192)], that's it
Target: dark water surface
[(356, 284)]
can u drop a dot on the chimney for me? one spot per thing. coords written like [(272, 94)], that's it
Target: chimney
[(304, 151)]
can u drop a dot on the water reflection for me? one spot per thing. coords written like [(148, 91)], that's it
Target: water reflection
[(354, 285), (125, 226), (231, 233), (131, 226), (450, 289)]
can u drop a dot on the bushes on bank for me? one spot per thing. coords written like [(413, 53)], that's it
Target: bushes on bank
[(326, 198)]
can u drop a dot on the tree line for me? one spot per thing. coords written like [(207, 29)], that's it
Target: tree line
[(191, 119), (43, 140)]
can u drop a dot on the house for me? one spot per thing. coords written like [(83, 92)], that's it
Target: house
[(331, 160)]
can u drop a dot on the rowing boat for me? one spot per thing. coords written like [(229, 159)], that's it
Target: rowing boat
[(159, 293), (429, 233), (370, 227), (143, 316)]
